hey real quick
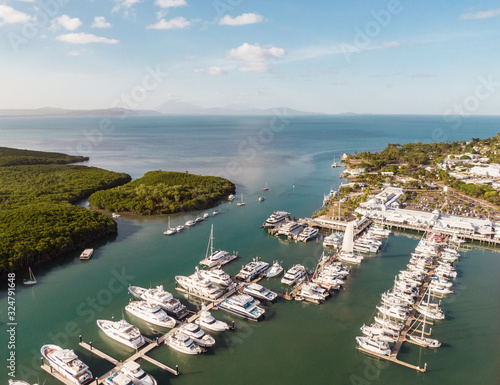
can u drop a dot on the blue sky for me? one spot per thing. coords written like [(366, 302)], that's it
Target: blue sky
[(392, 56)]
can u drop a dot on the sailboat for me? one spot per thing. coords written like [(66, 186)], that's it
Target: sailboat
[(31, 280), (170, 230), (241, 203), (424, 341), (215, 258), (335, 164), (347, 255), (265, 188)]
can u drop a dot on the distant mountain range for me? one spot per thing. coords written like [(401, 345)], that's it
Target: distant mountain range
[(168, 108)]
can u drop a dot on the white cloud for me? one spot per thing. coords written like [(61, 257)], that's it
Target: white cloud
[(254, 57), (100, 22), (66, 22), (339, 83), (244, 19), (124, 4), (85, 38), (176, 23), (211, 71), (170, 3), (9, 15), (393, 44), (480, 14)]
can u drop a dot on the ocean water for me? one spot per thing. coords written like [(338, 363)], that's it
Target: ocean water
[(298, 342)]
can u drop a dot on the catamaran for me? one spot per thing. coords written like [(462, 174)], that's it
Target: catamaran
[(346, 254), (216, 258)]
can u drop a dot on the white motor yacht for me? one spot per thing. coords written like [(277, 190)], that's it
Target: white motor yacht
[(86, 254), (198, 336), (206, 215), (252, 270), (150, 313), (179, 228), (393, 325), (217, 276), (308, 234), (190, 223), (374, 346), (260, 292), (196, 285), (243, 305), (158, 296), (122, 332), (296, 274), (182, 343), (207, 321), (276, 219), (117, 379), (290, 229), (275, 270), (133, 370), (375, 329), (333, 240), (66, 363), (395, 312), (312, 292)]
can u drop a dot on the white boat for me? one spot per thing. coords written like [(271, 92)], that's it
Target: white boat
[(86, 254), (198, 286), (66, 363), (346, 254), (217, 276), (378, 334), (230, 197), (216, 258), (261, 199), (115, 215), (133, 370), (18, 382), (422, 340), (170, 230), (122, 332), (380, 231), (158, 296), (398, 313), (290, 229), (252, 270), (432, 311), (260, 292), (31, 280), (375, 329), (243, 305), (276, 218), (374, 346), (312, 292), (275, 270), (182, 343), (333, 240), (307, 234), (265, 188), (335, 164), (214, 213), (198, 336), (207, 321), (117, 379), (328, 282), (179, 228), (198, 219), (241, 202), (190, 223), (296, 274), (150, 313), (436, 288), (393, 325), (206, 215)]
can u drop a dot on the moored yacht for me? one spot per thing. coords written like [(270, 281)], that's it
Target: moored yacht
[(207, 321), (296, 274), (196, 285), (217, 276), (182, 343), (158, 296), (117, 379), (244, 306), (150, 313), (252, 270), (198, 336), (312, 292), (290, 229), (333, 240), (86, 254), (216, 258), (190, 223), (260, 292), (275, 270), (308, 234), (133, 370), (276, 218), (122, 332), (66, 363), (374, 346)]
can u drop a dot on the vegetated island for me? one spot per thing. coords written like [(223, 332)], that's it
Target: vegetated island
[(164, 192), (38, 218), (469, 169)]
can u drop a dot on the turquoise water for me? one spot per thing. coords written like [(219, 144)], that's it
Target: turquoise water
[(298, 342)]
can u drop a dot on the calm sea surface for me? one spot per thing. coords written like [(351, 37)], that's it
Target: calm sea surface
[(298, 343)]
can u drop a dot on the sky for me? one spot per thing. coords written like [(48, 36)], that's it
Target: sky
[(342, 56)]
